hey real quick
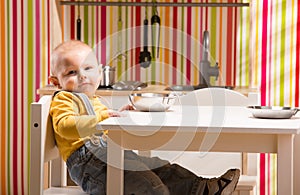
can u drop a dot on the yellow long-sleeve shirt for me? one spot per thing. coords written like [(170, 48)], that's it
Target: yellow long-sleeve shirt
[(71, 123)]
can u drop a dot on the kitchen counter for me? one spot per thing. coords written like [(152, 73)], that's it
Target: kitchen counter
[(50, 89)]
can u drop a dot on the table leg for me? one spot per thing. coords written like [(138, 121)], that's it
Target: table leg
[(285, 165), (296, 162), (115, 164)]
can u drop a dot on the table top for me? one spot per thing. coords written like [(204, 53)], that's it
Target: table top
[(225, 119), (50, 89)]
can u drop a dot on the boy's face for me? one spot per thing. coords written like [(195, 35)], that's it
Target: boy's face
[(78, 71)]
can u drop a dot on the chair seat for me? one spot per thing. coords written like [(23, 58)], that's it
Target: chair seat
[(69, 190)]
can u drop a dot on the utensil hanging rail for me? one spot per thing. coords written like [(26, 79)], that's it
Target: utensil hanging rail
[(161, 4)]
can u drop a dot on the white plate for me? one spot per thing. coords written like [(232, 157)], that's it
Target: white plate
[(272, 112)]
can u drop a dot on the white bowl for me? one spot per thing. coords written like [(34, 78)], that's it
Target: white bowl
[(272, 112), (151, 102)]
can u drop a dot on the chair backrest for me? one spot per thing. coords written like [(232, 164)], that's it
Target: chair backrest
[(43, 148), (218, 97)]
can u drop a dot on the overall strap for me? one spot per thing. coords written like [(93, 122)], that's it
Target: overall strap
[(86, 102), (96, 139)]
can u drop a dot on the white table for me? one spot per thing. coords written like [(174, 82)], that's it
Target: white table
[(202, 128)]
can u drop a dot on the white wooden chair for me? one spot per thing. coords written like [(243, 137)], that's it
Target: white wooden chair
[(43, 150)]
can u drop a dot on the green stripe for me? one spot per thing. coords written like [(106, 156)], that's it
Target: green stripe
[(213, 33), (93, 25), (8, 98), (282, 53), (153, 61), (153, 68), (119, 43), (213, 39), (247, 50), (30, 73), (126, 40), (241, 49), (86, 21)]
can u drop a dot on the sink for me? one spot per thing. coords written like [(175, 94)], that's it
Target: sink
[(193, 87)]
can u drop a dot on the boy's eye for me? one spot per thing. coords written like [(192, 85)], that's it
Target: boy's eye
[(88, 68), (71, 72)]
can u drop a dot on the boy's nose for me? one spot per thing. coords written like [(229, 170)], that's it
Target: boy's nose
[(82, 75)]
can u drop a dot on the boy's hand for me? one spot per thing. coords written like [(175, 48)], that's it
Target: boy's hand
[(126, 107), (113, 113)]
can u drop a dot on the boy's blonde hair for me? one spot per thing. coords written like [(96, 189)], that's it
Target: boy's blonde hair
[(59, 53)]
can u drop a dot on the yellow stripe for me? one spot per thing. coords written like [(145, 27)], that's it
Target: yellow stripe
[(291, 55), (161, 53), (44, 53), (256, 45), (111, 18), (62, 23), (274, 170), (220, 44)]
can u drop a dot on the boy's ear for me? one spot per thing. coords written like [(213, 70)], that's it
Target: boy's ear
[(54, 81)]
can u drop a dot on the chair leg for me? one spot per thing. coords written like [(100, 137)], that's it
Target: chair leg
[(59, 178)]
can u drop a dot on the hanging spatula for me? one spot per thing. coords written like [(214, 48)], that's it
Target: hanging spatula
[(145, 55), (78, 30)]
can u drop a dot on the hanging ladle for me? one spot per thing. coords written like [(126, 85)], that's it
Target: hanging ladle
[(145, 55), (78, 29)]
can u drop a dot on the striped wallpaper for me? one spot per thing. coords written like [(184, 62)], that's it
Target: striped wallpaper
[(180, 39), (257, 47)]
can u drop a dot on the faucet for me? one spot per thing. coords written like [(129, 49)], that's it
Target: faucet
[(206, 70)]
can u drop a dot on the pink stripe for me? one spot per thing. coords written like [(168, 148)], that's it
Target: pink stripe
[(15, 160), (188, 52), (138, 42), (48, 35), (297, 72), (229, 46), (263, 73), (97, 32), (262, 176), (270, 57), (264, 52), (72, 22), (131, 42), (269, 173), (232, 78), (103, 34), (22, 102), (206, 17), (37, 48), (174, 53), (201, 31)]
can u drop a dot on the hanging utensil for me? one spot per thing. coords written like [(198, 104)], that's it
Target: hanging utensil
[(155, 24), (119, 44), (78, 30), (145, 55)]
